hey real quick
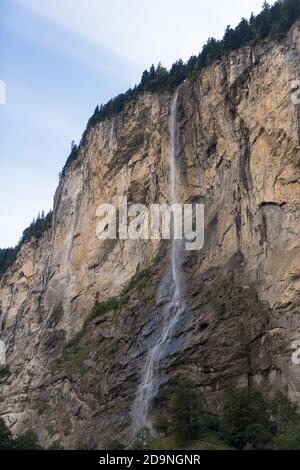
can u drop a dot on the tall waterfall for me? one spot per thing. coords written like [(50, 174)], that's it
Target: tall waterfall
[(172, 289), (2, 354)]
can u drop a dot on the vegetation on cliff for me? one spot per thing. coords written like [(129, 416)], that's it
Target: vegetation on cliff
[(73, 357), (249, 420), (37, 227), (7, 258), (25, 441), (273, 22), (6, 440), (35, 230)]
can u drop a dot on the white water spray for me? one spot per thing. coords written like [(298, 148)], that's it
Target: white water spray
[(171, 312)]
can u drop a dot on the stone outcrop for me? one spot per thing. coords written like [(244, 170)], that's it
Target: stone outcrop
[(73, 374)]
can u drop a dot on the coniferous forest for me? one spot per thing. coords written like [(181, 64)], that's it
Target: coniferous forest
[(35, 230), (273, 22)]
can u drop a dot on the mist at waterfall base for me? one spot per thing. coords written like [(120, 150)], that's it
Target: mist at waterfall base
[(169, 302)]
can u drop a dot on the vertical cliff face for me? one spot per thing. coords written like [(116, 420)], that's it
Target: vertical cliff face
[(74, 376)]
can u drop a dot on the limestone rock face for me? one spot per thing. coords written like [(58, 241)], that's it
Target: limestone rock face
[(74, 377)]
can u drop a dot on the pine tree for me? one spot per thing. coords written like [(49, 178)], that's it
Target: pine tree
[(145, 80), (6, 439), (152, 73), (246, 421), (184, 409)]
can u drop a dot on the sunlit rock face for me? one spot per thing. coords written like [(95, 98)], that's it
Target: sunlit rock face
[(239, 156)]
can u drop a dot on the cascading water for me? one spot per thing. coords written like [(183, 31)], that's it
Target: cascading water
[(173, 291)]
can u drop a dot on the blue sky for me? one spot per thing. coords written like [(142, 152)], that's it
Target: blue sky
[(60, 58)]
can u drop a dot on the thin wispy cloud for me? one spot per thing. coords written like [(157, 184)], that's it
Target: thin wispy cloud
[(46, 113), (145, 32), (68, 43)]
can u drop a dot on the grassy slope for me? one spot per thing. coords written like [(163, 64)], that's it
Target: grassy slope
[(209, 441)]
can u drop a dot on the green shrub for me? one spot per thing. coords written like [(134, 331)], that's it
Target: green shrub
[(6, 439), (56, 445), (211, 422), (246, 421), (289, 439), (51, 430), (140, 279), (28, 440), (114, 445), (185, 412), (287, 420), (100, 308), (162, 424), (284, 412), (72, 358), (41, 407), (4, 373), (143, 439), (85, 446)]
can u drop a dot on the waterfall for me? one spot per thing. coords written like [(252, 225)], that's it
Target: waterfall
[(173, 290), (2, 354), (176, 250)]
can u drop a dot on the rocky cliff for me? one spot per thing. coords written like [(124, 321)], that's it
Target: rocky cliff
[(73, 367)]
